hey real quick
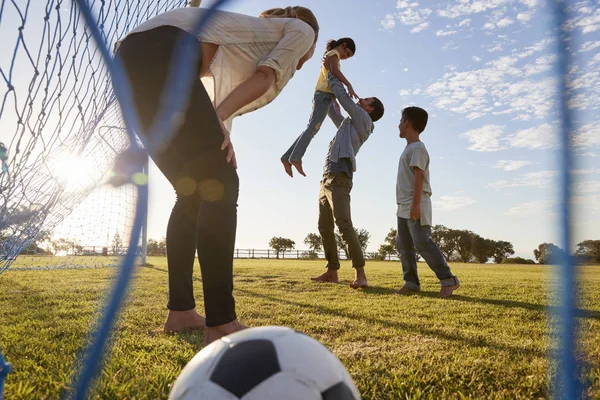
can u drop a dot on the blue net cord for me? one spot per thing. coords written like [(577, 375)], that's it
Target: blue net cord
[(566, 383), (5, 369), (177, 96)]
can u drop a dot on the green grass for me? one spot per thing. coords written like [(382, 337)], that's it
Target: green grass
[(493, 340)]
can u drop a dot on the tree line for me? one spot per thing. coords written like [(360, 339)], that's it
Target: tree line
[(457, 245)]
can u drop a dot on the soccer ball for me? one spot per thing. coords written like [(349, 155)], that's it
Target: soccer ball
[(263, 363)]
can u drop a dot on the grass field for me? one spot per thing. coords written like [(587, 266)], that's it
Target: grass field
[(493, 340)]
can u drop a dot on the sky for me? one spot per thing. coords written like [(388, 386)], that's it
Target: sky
[(483, 69), (485, 72)]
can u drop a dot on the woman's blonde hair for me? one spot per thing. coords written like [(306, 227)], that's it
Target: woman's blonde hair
[(299, 12)]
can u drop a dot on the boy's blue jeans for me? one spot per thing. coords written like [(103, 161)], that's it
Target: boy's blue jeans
[(321, 103), (413, 236)]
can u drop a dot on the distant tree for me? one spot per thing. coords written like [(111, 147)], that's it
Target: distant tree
[(156, 248), (389, 246), (482, 248), (281, 245), (547, 253), (464, 245), (117, 244), (502, 250), (66, 246), (363, 239), (445, 239), (589, 251), (314, 242), (517, 260)]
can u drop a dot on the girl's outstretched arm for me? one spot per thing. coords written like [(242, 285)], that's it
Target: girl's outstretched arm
[(335, 70)]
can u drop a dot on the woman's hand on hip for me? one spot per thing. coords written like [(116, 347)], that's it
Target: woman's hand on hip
[(228, 145)]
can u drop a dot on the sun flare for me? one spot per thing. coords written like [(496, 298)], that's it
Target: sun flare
[(74, 172)]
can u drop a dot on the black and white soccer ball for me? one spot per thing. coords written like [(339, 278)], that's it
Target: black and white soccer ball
[(270, 362)]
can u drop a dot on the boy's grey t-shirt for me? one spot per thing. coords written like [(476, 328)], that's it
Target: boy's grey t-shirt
[(414, 155)]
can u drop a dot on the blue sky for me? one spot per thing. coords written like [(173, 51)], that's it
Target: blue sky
[(484, 71)]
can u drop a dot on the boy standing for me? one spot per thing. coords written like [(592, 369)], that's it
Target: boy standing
[(413, 196)]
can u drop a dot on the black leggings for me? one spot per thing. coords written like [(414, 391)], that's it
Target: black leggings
[(205, 214)]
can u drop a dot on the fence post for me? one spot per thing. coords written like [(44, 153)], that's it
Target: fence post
[(269, 253), (237, 253)]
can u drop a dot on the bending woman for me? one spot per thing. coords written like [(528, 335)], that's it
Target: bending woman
[(246, 62)]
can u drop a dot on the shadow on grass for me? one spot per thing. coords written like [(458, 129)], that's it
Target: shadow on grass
[(416, 328)]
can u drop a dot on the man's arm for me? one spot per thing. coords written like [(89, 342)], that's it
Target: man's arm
[(415, 209), (335, 114), (353, 109)]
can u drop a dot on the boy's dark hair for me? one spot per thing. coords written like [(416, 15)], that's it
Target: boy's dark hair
[(332, 44), (377, 112), (417, 117)]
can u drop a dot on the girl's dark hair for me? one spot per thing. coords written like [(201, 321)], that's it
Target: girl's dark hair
[(332, 44)]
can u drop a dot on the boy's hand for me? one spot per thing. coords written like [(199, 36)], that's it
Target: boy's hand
[(415, 211)]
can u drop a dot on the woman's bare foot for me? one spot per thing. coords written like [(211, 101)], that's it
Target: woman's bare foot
[(178, 321), (360, 280), (298, 166), (288, 167), (330, 275), (217, 332)]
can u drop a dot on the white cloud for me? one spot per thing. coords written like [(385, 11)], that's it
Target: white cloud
[(409, 14), (586, 171), (587, 21), (420, 27), (504, 22), (538, 137), (404, 92), (388, 22), (587, 187), (525, 16), (464, 22), (476, 59), (452, 203), (590, 154), (451, 45), (587, 136), (462, 8), (537, 179), (589, 46), (405, 70), (444, 33), (530, 208), (485, 139), (511, 165)]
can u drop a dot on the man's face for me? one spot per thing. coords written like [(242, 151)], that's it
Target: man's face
[(366, 104)]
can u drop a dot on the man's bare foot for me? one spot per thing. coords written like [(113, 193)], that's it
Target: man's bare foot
[(330, 275), (360, 280), (178, 321), (217, 332), (288, 167), (298, 166), (406, 290)]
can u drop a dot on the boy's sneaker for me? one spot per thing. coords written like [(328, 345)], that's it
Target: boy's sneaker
[(406, 290), (446, 291)]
